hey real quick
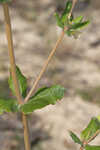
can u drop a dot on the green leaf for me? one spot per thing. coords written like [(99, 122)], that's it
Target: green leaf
[(68, 7), (71, 17), (92, 147), (75, 138), (66, 12), (8, 105), (98, 117), (91, 129), (78, 26), (73, 33), (78, 19), (39, 91), (59, 23), (68, 32), (42, 98), (21, 80), (4, 1)]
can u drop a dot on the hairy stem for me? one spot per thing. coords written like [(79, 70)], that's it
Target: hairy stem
[(13, 71), (48, 59), (44, 66)]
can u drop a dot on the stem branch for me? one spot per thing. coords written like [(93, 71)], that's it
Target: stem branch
[(44, 67), (48, 59), (97, 132)]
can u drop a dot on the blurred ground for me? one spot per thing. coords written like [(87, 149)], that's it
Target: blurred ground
[(76, 66)]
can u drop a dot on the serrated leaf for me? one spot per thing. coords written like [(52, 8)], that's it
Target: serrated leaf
[(92, 147), (8, 105), (75, 138), (78, 19), (66, 12), (21, 80), (59, 23), (91, 129), (42, 98), (78, 26)]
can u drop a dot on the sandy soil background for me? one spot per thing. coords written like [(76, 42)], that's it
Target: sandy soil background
[(76, 66)]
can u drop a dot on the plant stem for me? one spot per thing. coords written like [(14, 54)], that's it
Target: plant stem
[(73, 5), (13, 71), (26, 132), (11, 51), (81, 148), (44, 66), (91, 138), (48, 59), (97, 132)]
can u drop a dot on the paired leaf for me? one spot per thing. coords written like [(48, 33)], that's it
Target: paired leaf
[(42, 98), (66, 21), (92, 147), (75, 138), (8, 105), (21, 80), (91, 129)]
